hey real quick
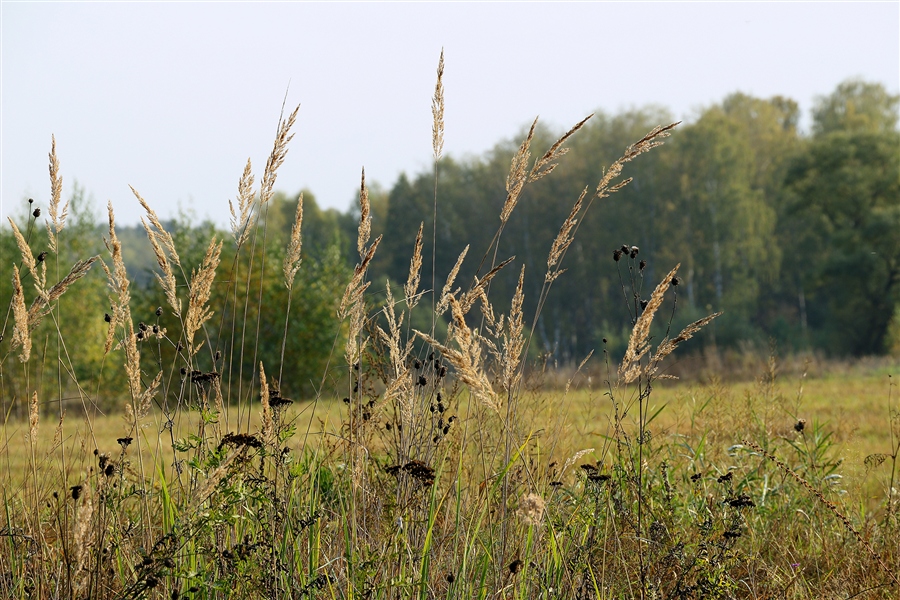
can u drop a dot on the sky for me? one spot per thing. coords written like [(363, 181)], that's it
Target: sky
[(173, 98)]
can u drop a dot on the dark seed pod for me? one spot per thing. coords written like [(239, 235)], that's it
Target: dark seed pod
[(346, 400), (417, 364), (36, 213), (156, 329), (422, 381), (76, 492), (41, 257), (140, 335), (642, 265), (644, 304), (634, 251), (450, 578), (107, 318), (676, 281), (184, 370), (515, 566), (217, 356), (617, 255), (110, 470), (800, 425), (159, 311)]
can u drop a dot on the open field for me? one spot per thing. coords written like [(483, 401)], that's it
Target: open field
[(850, 405)]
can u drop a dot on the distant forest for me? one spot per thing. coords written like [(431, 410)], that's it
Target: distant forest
[(794, 236)]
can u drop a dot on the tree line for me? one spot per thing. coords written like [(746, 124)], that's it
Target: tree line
[(794, 236)]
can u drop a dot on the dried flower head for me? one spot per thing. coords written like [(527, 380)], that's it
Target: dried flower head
[(531, 507)]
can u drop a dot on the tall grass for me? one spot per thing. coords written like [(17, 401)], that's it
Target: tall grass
[(449, 473)]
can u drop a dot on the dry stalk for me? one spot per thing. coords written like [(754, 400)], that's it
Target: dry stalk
[(365, 217), (21, 329), (638, 343), (167, 279), (446, 292), (415, 271), (163, 236), (83, 537), (143, 403), (28, 258), (120, 299), (355, 289), (276, 158), (268, 426), (292, 257), (513, 340), (57, 220), (437, 111), (468, 299), (33, 419), (240, 220), (563, 240), (466, 357), (198, 311), (399, 354), (518, 175), (40, 307), (545, 165)]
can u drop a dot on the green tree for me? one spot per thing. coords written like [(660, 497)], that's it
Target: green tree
[(845, 219), (856, 106)]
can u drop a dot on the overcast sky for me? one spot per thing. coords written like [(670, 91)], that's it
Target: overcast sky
[(173, 98)]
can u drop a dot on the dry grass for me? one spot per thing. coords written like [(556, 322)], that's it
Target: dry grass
[(430, 466)]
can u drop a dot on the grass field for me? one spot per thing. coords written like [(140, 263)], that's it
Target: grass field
[(851, 405)]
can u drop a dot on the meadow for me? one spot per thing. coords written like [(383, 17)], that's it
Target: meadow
[(440, 456)]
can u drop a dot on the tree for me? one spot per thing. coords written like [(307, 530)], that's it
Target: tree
[(858, 107), (846, 219)]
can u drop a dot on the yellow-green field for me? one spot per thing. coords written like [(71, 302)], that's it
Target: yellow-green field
[(852, 405)]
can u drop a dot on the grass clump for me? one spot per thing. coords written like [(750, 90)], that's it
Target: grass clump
[(430, 461)]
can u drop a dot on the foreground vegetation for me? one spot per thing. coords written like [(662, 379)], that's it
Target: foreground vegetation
[(432, 458)]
